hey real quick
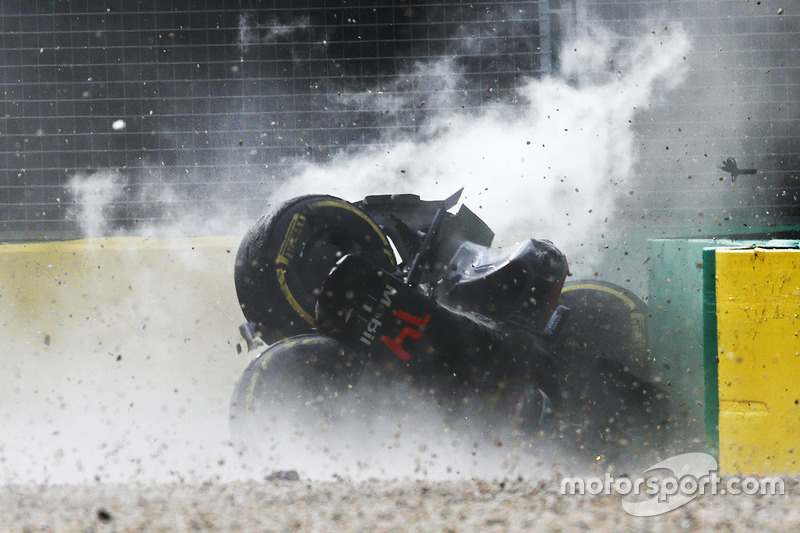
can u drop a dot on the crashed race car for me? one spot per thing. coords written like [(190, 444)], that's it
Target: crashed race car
[(342, 299)]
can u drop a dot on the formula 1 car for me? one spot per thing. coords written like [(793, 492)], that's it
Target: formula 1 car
[(340, 297)]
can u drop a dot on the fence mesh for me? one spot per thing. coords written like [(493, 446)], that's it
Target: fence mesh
[(192, 103)]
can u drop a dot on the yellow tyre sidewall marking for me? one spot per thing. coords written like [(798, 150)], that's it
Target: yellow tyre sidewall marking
[(281, 272), (330, 203), (637, 319), (290, 297), (602, 288)]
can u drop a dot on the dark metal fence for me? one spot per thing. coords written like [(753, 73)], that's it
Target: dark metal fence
[(213, 101)]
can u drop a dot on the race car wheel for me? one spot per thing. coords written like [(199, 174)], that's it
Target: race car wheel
[(606, 321), (283, 260), (607, 371), (299, 382)]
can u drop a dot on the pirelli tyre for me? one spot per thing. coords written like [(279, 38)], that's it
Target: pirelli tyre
[(607, 376), (298, 383), (606, 321), (283, 260)]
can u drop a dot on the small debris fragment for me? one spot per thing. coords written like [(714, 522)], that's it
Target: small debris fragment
[(284, 475), (103, 515)]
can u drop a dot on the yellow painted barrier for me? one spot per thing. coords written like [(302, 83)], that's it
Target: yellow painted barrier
[(117, 354), (758, 349), (116, 286)]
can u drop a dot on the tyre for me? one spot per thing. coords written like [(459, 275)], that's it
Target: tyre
[(607, 322), (284, 258), (299, 382), (606, 377)]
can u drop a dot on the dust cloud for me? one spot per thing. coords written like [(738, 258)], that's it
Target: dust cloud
[(552, 166), (130, 378)]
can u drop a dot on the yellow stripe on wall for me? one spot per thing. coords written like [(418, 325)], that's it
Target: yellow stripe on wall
[(80, 295), (758, 308)]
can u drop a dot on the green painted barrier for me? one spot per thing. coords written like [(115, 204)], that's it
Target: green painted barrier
[(683, 304)]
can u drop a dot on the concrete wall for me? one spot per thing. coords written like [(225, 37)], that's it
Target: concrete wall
[(724, 337), (117, 354), (758, 359), (675, 326)]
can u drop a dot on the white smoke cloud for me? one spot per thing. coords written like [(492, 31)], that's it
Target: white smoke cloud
[(553, 164), (552, 167), (109, 203), (427, 86), (252, 33), (94, 194)]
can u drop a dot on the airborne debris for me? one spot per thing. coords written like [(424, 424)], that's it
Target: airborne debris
[(283, 475), (730, 166)]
